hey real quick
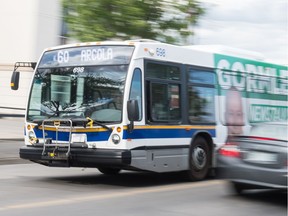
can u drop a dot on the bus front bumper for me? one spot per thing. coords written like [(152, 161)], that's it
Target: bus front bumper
[(78, 157)]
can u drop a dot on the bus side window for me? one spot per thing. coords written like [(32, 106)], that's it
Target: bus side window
[(201, 95), (136, 90), (163, 82), (165, 104)]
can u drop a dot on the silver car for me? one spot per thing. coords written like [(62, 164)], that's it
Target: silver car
[(258, 160)]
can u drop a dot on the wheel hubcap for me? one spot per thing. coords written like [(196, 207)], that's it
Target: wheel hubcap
[(199, 158)]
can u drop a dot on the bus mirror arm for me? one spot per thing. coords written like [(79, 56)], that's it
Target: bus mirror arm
[(16, 74), (131, 126), (133, 113)]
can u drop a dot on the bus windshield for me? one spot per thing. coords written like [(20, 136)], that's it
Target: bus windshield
[(90, 88)]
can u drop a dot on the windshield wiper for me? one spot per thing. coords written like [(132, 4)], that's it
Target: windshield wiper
[(92, 121), (78, 121), (56, 104)]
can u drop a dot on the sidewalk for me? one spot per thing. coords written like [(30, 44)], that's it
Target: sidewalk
[(12, 128)]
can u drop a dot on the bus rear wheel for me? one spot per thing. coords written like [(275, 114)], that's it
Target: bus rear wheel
[(199, 159), (109, 171)]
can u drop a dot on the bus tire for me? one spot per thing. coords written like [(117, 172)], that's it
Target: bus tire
[(199, 159), (109, 171)]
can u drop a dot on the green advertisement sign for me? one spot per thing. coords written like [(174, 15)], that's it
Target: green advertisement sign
[(263, 85), (259, 79)]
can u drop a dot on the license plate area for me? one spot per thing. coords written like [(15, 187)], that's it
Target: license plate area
[(261, 157)]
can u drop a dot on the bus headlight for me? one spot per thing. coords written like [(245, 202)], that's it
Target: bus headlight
[(116, 139), (32, 137)]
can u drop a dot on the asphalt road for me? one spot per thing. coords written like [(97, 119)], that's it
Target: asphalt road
[(31, 189), (9, 152)]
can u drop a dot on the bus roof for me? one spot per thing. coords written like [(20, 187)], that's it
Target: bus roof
[(227, 50), (199, 51)]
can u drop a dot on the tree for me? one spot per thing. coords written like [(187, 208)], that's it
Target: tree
[(164, 20)]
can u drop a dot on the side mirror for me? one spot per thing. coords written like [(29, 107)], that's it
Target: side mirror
[(15, 80), (133, 113)]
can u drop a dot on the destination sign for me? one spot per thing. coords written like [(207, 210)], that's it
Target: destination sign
[(85, 56)]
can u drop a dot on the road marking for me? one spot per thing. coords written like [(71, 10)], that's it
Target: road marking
[(77, 199)]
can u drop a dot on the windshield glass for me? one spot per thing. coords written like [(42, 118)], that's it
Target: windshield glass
[(71, 90)]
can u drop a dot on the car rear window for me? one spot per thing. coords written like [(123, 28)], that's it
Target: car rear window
[(275, 131)]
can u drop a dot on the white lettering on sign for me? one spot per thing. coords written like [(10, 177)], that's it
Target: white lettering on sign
[(96, 54), (261, 113), (259, 78), (62, 56)]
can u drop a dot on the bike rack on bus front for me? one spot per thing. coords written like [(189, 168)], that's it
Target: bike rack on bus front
[(55, 149)]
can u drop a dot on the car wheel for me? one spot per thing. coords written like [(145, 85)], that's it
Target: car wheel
[(199, 159), (109, 171)]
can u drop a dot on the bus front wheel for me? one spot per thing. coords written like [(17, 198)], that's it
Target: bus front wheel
[(199, 159)]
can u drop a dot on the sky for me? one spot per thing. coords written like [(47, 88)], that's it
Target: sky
[(255, 25)]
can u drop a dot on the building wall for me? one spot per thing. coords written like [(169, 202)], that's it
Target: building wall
[(13, 102), (27, 27)]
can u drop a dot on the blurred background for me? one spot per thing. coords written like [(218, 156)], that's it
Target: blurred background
[(29, 26)]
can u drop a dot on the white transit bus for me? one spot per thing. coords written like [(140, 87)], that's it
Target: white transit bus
[(145, 105)]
